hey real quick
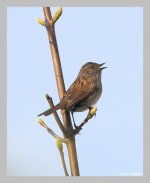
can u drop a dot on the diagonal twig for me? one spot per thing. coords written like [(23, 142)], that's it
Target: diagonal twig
[(41, 122), (50, 101), (92, 112), (79, 128)]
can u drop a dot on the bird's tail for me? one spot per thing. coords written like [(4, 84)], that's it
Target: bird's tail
[(51, 110)]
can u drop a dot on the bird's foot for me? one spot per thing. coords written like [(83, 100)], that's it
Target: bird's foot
[(77, 129)]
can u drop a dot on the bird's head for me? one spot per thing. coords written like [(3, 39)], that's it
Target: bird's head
[(91, 68)]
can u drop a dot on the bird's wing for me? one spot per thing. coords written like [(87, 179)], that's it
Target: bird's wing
[(81, 89)]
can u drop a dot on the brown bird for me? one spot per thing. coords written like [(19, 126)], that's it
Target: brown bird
[(84, 92)]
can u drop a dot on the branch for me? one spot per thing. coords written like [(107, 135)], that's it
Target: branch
[(61, 89), (63, 163), (50, 101), (60, 148), (41, 122)]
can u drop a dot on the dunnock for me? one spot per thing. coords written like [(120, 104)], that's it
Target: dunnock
[(84, 92)]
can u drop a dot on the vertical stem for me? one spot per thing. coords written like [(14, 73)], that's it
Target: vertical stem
[(73, 157), (61, 89)]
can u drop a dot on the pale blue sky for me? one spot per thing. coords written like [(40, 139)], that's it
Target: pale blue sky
[(111, 144)]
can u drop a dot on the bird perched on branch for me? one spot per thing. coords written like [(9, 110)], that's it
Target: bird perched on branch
[(84, 92)]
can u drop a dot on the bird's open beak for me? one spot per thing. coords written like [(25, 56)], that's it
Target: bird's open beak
[(100, 66)]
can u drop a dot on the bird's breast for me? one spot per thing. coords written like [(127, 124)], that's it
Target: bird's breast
[(93, 98)]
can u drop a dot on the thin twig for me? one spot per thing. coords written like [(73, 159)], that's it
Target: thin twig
[(79, 128), (92, 112), (63, 163), (51, 131), (60, 148), (50, 101), (83, 123)]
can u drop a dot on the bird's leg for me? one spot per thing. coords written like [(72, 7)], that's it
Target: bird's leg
[(75, 126), (89, 107)]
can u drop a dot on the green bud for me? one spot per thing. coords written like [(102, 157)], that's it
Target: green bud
[(59, 145), (41, 122), (40, 21), (57, 15), (92, 112)]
